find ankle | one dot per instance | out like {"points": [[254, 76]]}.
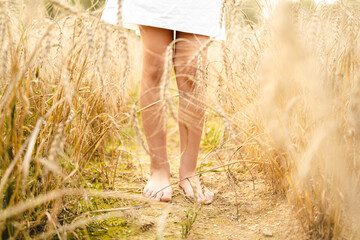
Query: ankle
{"points": [[162, 169], [184, 173]]}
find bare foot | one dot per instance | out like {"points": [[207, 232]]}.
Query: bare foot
{"points": [[158, 186], [193, 183]]}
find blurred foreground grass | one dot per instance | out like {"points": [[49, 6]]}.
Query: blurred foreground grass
{"points": [[283, 94]]}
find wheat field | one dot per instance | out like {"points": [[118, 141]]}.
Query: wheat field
{"points": [[283, 100]]}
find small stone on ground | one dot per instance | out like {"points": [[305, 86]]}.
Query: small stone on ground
{"points": [[267, 233]]}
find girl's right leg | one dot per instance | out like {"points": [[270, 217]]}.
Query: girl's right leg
{"points": [[154, 43]]}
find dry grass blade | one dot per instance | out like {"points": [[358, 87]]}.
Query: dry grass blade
{"points": [[79, 223], [32, 203], [162, 222], [282, 104], [30, 148]]}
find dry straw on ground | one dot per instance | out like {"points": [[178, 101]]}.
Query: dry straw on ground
{"points": [[286, 89]]}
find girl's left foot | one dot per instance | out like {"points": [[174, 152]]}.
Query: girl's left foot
{"points": [[193, 190]]}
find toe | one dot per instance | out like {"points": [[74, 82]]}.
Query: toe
{"points": [[145, 192], [201, 197], [167, 195], [209, 196], [186, 187], [148, 193], [189, 193], [158, 196]]}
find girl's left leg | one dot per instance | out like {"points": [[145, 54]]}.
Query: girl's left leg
{"points": [[191, 111]]}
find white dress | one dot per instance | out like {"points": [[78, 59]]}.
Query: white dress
{"points": [[193, 16]]}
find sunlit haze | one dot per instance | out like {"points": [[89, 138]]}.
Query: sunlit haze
{"points": [[269, 5]]}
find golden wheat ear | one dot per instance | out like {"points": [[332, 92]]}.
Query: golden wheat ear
{"points": [[282, 104]]}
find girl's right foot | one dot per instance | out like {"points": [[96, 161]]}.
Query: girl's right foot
{"points": [[158, 187]]}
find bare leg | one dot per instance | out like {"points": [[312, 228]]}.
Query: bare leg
{"points": [[191, 113], [154, 44]]}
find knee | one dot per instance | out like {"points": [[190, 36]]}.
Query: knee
{"points": [[186, 78], [153, 71], [182, 64], [185, 74]]}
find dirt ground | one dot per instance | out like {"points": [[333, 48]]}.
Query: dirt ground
{"points": [[253, 212], [247, 209]]}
